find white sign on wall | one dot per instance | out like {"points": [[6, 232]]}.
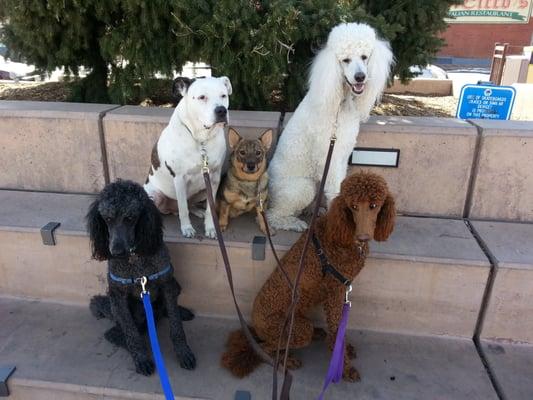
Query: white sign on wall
{"points": [[491, 12]]}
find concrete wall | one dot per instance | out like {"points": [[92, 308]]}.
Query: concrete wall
{"points": [[51, 146], [503, 186], [68, 147], [436, 158], [438, 87]]}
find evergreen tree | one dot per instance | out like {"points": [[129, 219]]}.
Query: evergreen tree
{"points": [[265, 47]]}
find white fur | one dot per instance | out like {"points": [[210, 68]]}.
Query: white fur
{"points": [[179, 147], [298, 162]]}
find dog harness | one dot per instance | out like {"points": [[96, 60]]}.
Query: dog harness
{"points": [[132, 281], [327, 268]]}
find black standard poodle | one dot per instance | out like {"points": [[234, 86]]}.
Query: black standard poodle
{"points": [[126, 229]]}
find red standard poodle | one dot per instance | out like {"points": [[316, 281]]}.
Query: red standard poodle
{"points": [[363, 211]]}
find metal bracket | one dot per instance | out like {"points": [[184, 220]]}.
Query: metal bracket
{"points": [[5, 373], [242, 395], [258, 248], [47, 233]]}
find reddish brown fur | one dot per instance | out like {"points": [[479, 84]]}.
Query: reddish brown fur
{"points": [[337, 231]]}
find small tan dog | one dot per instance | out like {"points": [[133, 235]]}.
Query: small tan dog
{"points": [[246, 183]]}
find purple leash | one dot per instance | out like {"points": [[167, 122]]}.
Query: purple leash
{"points": [[336, 364]]}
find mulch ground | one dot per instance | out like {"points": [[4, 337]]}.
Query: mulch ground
{"points": [[399, 105]]}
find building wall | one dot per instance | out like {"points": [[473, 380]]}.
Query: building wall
{"points": [[477, 40]]}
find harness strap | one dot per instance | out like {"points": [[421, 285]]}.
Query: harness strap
{"points": [[131, 281], [326, 266]]}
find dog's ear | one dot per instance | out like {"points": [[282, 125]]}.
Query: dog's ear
{"points": [[98, 233], [326, 79], [227, 83], [233, 138], [266, 138], [180, 86], [149, 230], [340, 227], [380, 63], [386, 219]]}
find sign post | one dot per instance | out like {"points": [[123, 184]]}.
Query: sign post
{"points": [[486, 102]]}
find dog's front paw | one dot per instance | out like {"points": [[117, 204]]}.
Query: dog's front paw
{"points": [[350, 351], [293, 363], [298, 225], [210, 232], [188, 231], [186, 358], [350, 374], [185, 314], [144, 366]]}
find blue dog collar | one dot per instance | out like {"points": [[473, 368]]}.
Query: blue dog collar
{"points": [[131, 281]]}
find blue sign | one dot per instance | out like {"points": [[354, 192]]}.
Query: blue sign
{"points": [[486, 102]]}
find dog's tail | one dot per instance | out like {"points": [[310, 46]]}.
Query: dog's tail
{"points": [[240, 358], [100, 307]]}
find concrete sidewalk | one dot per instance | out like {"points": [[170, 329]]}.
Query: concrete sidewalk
{"points": [[60, 353]]}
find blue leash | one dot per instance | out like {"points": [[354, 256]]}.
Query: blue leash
{"points": [[156, 351]]}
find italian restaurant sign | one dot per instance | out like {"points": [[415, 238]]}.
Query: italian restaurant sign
{"points": [[491, 12]]}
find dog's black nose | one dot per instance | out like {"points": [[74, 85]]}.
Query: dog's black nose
{"points": [[360, 77], [118, 251], [221, 112], [250, 167]]}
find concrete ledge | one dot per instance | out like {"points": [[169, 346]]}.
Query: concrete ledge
{"points": [[436, 158], [51, 146], [512, 365], [51, 109], [405, 286], [509, 314], [504, 183], [420, 86], [54, 338], [131, 132]]}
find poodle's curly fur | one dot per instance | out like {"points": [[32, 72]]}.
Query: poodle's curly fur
{"points": [[364, 210], [126, 229], [334, 102]]}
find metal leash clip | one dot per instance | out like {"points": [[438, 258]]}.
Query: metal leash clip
{"points": [[143, 281], [205, 161], [261, 203], [346, 294]]}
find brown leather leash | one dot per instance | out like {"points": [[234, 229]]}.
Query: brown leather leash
{"points": [[285, 389], [289, 320], [246, 330]]}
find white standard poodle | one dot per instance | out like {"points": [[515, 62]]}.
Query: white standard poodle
{"points": [[347, 78]]}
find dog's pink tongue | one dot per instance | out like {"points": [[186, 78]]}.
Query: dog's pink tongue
{"points": [[359, 86]]}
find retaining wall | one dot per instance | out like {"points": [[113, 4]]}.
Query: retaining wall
{"points": [[447, 167]]}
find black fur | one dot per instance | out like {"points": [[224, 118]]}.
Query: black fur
{"points": [[125, 222], [180, 86]]}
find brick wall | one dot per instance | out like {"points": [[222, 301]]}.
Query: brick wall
{"points": [[477, 40]]}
